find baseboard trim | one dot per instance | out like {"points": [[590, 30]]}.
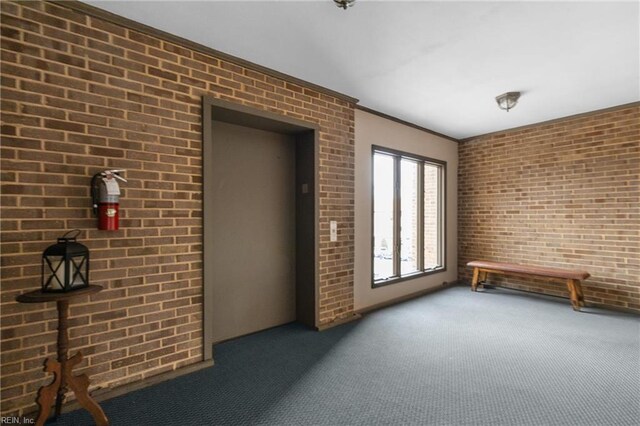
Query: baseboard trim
{"points": [[404, 298], [612, 308], [100, 395], [353, 317], [357, 314]]}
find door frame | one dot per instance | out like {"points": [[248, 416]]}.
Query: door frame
{"points": [[220, 110]]}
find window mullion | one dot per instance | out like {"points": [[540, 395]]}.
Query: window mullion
{"points": [[441, 218], [420, 221], [396, 216]]}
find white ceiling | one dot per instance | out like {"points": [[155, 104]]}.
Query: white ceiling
{"points": [[438, 64]]}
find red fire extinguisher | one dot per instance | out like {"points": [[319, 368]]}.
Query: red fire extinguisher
{"points": [[105, 193]]}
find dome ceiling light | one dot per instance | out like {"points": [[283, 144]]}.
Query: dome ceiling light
{"points": [[508, 100]]}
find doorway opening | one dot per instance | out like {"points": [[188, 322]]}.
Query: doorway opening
{"points": [[260, 221]]}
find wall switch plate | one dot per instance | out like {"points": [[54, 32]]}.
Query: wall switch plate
{"points": [[305, 188], [333, 231]]}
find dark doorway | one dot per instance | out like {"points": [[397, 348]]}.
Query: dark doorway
{"points": [[260, 221]]}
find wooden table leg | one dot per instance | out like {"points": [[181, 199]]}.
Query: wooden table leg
{"points": [[573, 294], [63, 347], [80, 385], [474, 282], [62, 367], [47, 393]]}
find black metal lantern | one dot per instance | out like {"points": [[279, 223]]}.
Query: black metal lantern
{"points": [[65, 265]]}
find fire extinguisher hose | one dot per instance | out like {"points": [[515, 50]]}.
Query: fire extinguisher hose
{"points": [[95, 191]]}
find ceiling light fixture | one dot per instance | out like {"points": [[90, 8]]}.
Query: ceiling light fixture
{"points": [[344, 3], [508, 100]]}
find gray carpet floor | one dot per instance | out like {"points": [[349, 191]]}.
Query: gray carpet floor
{"points": [[498, 357]]}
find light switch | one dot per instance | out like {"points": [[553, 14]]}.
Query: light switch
{"points": [[305, 188], [333, 231]]}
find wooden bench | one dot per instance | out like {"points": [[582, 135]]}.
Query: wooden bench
{"points": [[482, 269]]}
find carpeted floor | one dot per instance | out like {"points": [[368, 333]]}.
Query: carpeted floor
{"points": [[454, 357]]}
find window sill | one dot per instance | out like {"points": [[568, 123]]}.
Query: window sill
{"points": [[394, 280]]}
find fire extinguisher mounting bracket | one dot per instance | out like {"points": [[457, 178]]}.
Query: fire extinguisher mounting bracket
{"points": [[108, 174]]}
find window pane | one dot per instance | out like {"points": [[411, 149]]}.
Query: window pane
{"points": [[432, 257], [384, 243], [408, 216]]}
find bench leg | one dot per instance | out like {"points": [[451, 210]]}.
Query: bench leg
{"points": [[483, 278], [573, 294], [474, 281], [578, 286]]}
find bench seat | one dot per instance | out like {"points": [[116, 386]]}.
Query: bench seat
{"points": [[481, 269]]}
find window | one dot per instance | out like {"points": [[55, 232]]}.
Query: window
{"points": [[408, 216]]}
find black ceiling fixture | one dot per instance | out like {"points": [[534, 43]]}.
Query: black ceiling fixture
{"points": [[344, 4]]}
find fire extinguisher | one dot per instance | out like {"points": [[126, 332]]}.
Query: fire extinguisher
{"points": [[105, 194]]}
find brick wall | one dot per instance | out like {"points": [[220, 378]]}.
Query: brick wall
{"points": [[561, 194], [80, 95]]}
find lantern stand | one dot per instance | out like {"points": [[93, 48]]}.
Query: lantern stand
{"points": [[63, 366], [65, 276]]}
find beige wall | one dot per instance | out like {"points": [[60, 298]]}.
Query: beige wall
{"points": [[371, 130]]}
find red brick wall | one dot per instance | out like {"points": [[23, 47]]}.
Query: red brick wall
{"points": [[561, 194], [80, 95]]}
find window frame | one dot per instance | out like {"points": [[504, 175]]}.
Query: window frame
{"points": [[442, 218]]}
